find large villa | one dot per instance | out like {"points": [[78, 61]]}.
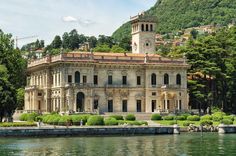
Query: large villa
{"points": [[140, 81]]}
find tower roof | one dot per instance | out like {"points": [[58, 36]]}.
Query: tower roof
{"points": [[143, 18]]}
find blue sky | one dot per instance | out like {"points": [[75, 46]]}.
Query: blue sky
{"points": [[47, 18]]}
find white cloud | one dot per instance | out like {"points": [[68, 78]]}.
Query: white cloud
{"points": [[69, 19]]}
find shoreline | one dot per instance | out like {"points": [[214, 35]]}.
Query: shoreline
{"points": [[87, 131]]}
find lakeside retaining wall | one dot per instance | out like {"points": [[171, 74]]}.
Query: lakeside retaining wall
{"points": [[227, 129], [86, 131]]}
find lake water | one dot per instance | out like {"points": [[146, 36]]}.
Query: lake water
{"points": [[164, 145]]}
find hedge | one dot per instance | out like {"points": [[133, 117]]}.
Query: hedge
{"points": [[110, 122], [117, 117], [218, 116], [187, 123], [168, 117], [229, 117], [193, 118], [76, 119], [156, 117], [18, 124], [206, 117], [95, 120], [28, 117], [180, 117], [206, 122], [226, 122], [130, 117], [139, 123]]}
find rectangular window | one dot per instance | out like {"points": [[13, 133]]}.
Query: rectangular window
{"points": [[95, 79], [138, 80], [124, 105], [139, 105], [69, 78], [95, 104], [124, 80], [84, 79], [110, 105], [154, 93], [110, 80]]}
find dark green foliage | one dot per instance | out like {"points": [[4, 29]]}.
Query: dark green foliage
{"points": [[226, 122], [173, 15], [117, 117], [130, 117], [95, 120], [185, 115], [193, 118], [206, 122], [170, 117], [110, 122], [180, 117], [206, 117], [156, 117]]}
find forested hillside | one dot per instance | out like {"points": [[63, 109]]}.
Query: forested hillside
{"points": [[180, 14]]}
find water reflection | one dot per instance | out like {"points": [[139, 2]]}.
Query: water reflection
{"points": [[164, 145]]}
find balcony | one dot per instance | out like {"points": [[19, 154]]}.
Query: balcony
{"points": [[79, 85], [117, 86], [33, 87], [170, 86]]}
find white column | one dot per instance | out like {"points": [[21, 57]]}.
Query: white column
{"points": [[54, 79], [165, 100]]}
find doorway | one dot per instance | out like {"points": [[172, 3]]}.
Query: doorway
{"points": [[80, 102]]}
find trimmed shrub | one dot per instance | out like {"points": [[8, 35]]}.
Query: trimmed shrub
{"points": [[193, 118], [229, 117], [206, 117], [180, 117], [29, 117], [156, 117], [226, 122], [130, 117], [110, 122], [24, 117], [117, 117], [186, 123], [168, 117], [218, 116], [185, 115], [65, 120], [77, 118], [206, 122], [95, 120]]}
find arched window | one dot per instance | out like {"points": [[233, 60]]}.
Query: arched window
{"points": [[142, 27], [153, 79], [147, 27], [151, 27], [166, 79], [77, 77], [178, 79]]}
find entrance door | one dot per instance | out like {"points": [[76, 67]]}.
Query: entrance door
{"points": [[80, 102], [154, 103]]}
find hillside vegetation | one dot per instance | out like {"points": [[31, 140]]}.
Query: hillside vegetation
{"points": [[175, 15]]}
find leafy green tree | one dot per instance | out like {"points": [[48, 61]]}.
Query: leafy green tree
{"points": [[117, 49], [56, 43], [20, 98], [7, 95], [102, 48]]}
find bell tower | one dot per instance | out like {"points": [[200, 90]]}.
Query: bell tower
{"points": [[143, 34]]}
